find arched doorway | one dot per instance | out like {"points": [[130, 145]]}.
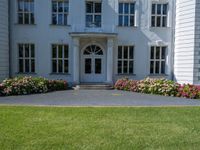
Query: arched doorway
{"points": [[93, 64]]}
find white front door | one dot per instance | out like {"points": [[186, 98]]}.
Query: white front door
{"points": [[93, 64]]}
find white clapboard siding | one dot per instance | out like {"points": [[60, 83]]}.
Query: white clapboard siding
{"points": [[4, 44], [184, 41]]}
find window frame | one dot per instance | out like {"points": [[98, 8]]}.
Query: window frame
{"points": [[128, 59], [123, 14], [57, 59], [160, 59], [57, 13], [93, 14], [23, 12], [156, 15], [24, 58]]}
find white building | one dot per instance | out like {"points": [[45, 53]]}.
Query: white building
{"points": [[90, 41]]}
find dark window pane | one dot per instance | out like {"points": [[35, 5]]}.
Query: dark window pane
{"points": [[132, 7], [60, 6], [158, 21], [21, 50], [97, 7], [126, 20], [153, 11], [163, 67], [125, 67], [26, 18], [157, 52], [119, 67], [120, 8], [126, 8], [27, 50], [88, 66], [20, 18], [157, 67], [60, 51], [97, 20], [65, 19], [20, 5], [153, 21], [131, 52], [66, 55], [89, 7], [32, 51], [152, 52], [60, 66], [66, 66], [98, 66], [32, 66], [89, 20], [21, 65], [26, 6], [163, 52], [54, 6], [152, 67], [27, 64], [60, 19], [164, 21], [131, 67], [54, 66], [132, 21], [165, 9], [66, 7], [54, 19], [54, 51], [159, 9], [120, 20], [125, 52], [32, 6], [120, 52], [32, 18]]}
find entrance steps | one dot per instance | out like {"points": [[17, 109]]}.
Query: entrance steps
{"points": [[93, 86]]}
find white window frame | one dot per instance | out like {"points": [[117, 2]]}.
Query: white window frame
{"points": [[23, 12], [60, 13], [160, 60], [129, 14], [24, 58], [122, 59], [93, 14], [156, 15], [63, 59]]}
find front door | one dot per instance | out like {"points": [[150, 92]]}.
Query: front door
{"points": [[93, 64]]}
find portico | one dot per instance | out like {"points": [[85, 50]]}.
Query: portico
{"points": [[93, 57]]}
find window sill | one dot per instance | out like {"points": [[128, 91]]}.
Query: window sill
{"points": [[158, 75], [59, 25], [25, 24], [127, 26], [21, 73], [60, 74], [126, 74], [160, 27]]}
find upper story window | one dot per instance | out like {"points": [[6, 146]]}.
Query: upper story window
{"points": [[93, 14], [26, 12], [26, 58], [60, 11], [126, 14], [158, 59], [159, 15], [125, 59]]}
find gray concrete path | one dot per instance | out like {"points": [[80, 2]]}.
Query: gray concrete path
{"points": [[97, 98]]}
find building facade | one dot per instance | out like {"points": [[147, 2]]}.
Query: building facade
{"points": [[99, 41]]}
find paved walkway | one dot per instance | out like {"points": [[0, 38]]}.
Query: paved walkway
{"points": [[97, 98]]}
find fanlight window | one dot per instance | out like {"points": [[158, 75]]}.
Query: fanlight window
{"points": [[93, 49]]}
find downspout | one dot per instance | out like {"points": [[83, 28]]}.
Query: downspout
{"points": [[9, 37]]}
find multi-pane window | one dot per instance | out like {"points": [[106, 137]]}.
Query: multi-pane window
{"points": [[157, 60], [159, 15], [126, 14], [125, 59], [60, 59], [60, 11], [26, 12], [26, 55], [93, 14]]}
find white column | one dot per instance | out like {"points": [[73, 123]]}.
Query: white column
{"points": [[76, 58], [110, 46]]}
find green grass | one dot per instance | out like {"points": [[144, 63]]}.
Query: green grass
{"points": [[53, 128]]}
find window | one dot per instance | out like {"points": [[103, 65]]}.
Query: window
{"points": [[26, 58], [157, 60], [126, 14], [125, 60], [26, 12], [93, 14], [159, 15], [60, 10], [60, 59]]}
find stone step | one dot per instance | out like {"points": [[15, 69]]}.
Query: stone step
{"points": [[93, 87]]}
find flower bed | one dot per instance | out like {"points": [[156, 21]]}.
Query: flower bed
{"points": [[159, 87], [30, 85]]}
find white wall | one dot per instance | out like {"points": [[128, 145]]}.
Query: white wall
{"points": [[4, 45], [42, 34]]}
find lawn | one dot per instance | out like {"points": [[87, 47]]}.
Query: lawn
{"points": [[57, 128]]}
